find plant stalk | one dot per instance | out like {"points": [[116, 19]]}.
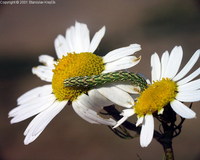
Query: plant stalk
{"points": [[169, 153]]}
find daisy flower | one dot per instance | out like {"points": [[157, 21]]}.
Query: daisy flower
{"points": [[75, 58], [168, 86]]}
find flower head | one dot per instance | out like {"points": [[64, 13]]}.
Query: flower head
{"points": [[75, 58], [168, 86]]}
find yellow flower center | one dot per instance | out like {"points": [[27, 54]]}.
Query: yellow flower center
{"points": [[155, 97], [73, 65]]}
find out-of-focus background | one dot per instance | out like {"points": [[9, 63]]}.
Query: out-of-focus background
{"points": [[27, 31]]}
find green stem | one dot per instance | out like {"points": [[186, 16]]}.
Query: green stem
{"points": [[97, 80], [169, 154]]}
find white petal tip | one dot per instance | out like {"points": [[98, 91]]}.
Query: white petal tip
{"points": [[147, 131], [103, 28], [182, 110], [120, 122], [117, 125], [144, 145], [139, 121], [191, 116], [12, 121], [137, 47], [26, 143]]}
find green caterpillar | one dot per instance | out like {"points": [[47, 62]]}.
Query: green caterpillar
{"points": [[98, 80]]}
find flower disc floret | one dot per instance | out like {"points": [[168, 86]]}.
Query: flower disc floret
{"points": [[155, 97], [73, 65]]}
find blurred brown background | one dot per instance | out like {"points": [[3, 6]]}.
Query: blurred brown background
{"points": [[27, 31]]}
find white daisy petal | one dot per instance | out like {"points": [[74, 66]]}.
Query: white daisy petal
{"points": [[117, 96], [97, 39], [98, 99], [164, 62], [78, 38], [49, 114], [188, 66], [139, 121], [47, 60], [123, 63], [30, 105], [128, 112], [129, 88], [156, 67], [39, 116], [69, 39], [90, 115], [122, 120], [43, 72], [173, 66], [147, 131], [121, 52], [81, 39], [82, 112], [17, 110], [188, 96], [32, 110], [29, 139], [39, 123], [29, 95], [34, 93], [92, 104], [61, 47], [191, 86], [125, 113], [84, 100], [182, 110], [189, 78]]}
